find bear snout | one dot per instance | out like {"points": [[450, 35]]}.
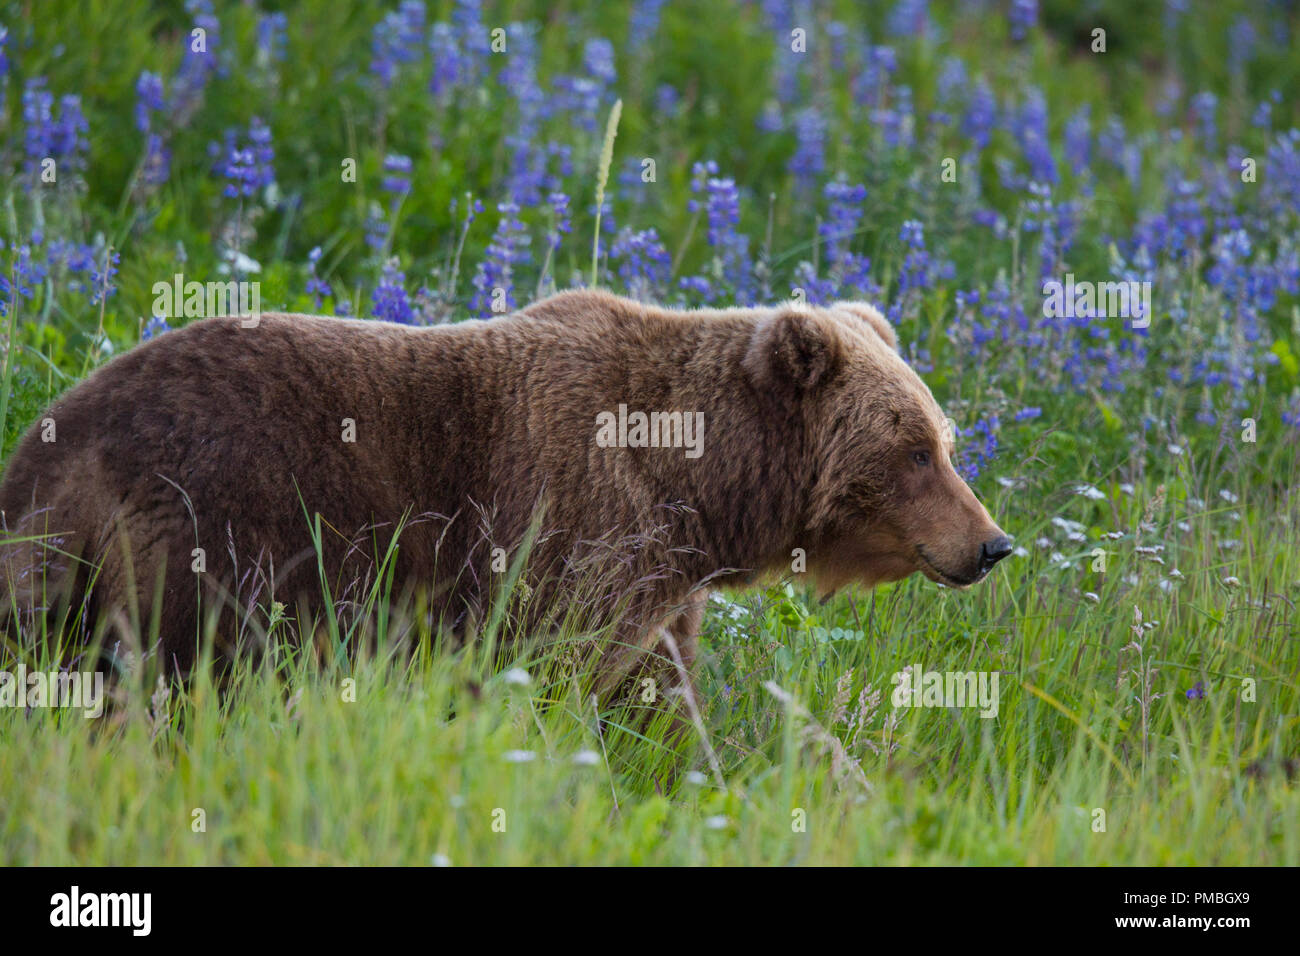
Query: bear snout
{"points": [[965, 568], [993, 551]]}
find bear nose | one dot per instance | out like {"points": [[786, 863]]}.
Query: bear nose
{"points": [[991, 552]]}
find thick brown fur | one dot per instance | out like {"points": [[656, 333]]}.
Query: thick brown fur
{"points": [[228, 438]]}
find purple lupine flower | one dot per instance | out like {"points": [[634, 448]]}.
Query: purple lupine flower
{"points": [[847, 273], [1241, 43], [507, 250], [719, 199], [467, 18], [776, 13], [1290, 415], [60, 137], [259, 138], [245, 167], [391, 301], [1280, 192], [1114, 146], [723, 214], [809, 159], [376, 227], [585, 96], [101, 278], [964, 324], [1229, 273], [844, 214], [384, 49], [411, 29], [909, 18], [518, 74], [896, 121], [785, 80], [518, 77], [397, 39], [598, 59], [1171, 95], [1262, 118], [667, 101], [981, 114], [197, 65], [701, 174], [149, 99], [1204, 107], [838, 32], [237, 168], [607, 222], [770, 119], [643, 22], [1185, 224], [643, 262], [951, 87], [1205, 415], [317, 287], [1002, 307], [460, 49], [869, 85], [1196, 691], [579, 96], [1055, 222], [472, 208], [629, 178], [19, 280], [816, 290], [1078, 139], [450, 64], [397, 175], [559, 203], [272, 35], [556, 166], [68, 137], [77, 260], [918, 270], [972, 457], [1030, 129], [701, 286], [156, 326], [38, 122], [1022, 16]]}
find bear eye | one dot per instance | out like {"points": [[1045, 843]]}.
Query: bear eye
{"points": [[922, 458]]}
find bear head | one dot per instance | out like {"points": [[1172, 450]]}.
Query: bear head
{"points": [[882, 498]]}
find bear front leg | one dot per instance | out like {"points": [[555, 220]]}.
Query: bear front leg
{"points": [[666, 675]]}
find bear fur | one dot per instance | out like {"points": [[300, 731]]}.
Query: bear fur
{"points": [[818, 440]]}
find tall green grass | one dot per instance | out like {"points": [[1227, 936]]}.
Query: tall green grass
{"points": [[1097, 754]]}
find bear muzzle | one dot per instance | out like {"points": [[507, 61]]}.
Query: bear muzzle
{"points": [[993, 551], [990, 553]]}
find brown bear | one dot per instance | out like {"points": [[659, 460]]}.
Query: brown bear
{"points": [[639, 456]]}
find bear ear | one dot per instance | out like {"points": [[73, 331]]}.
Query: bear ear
{"points": [[793, 349], [871, 315]]}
